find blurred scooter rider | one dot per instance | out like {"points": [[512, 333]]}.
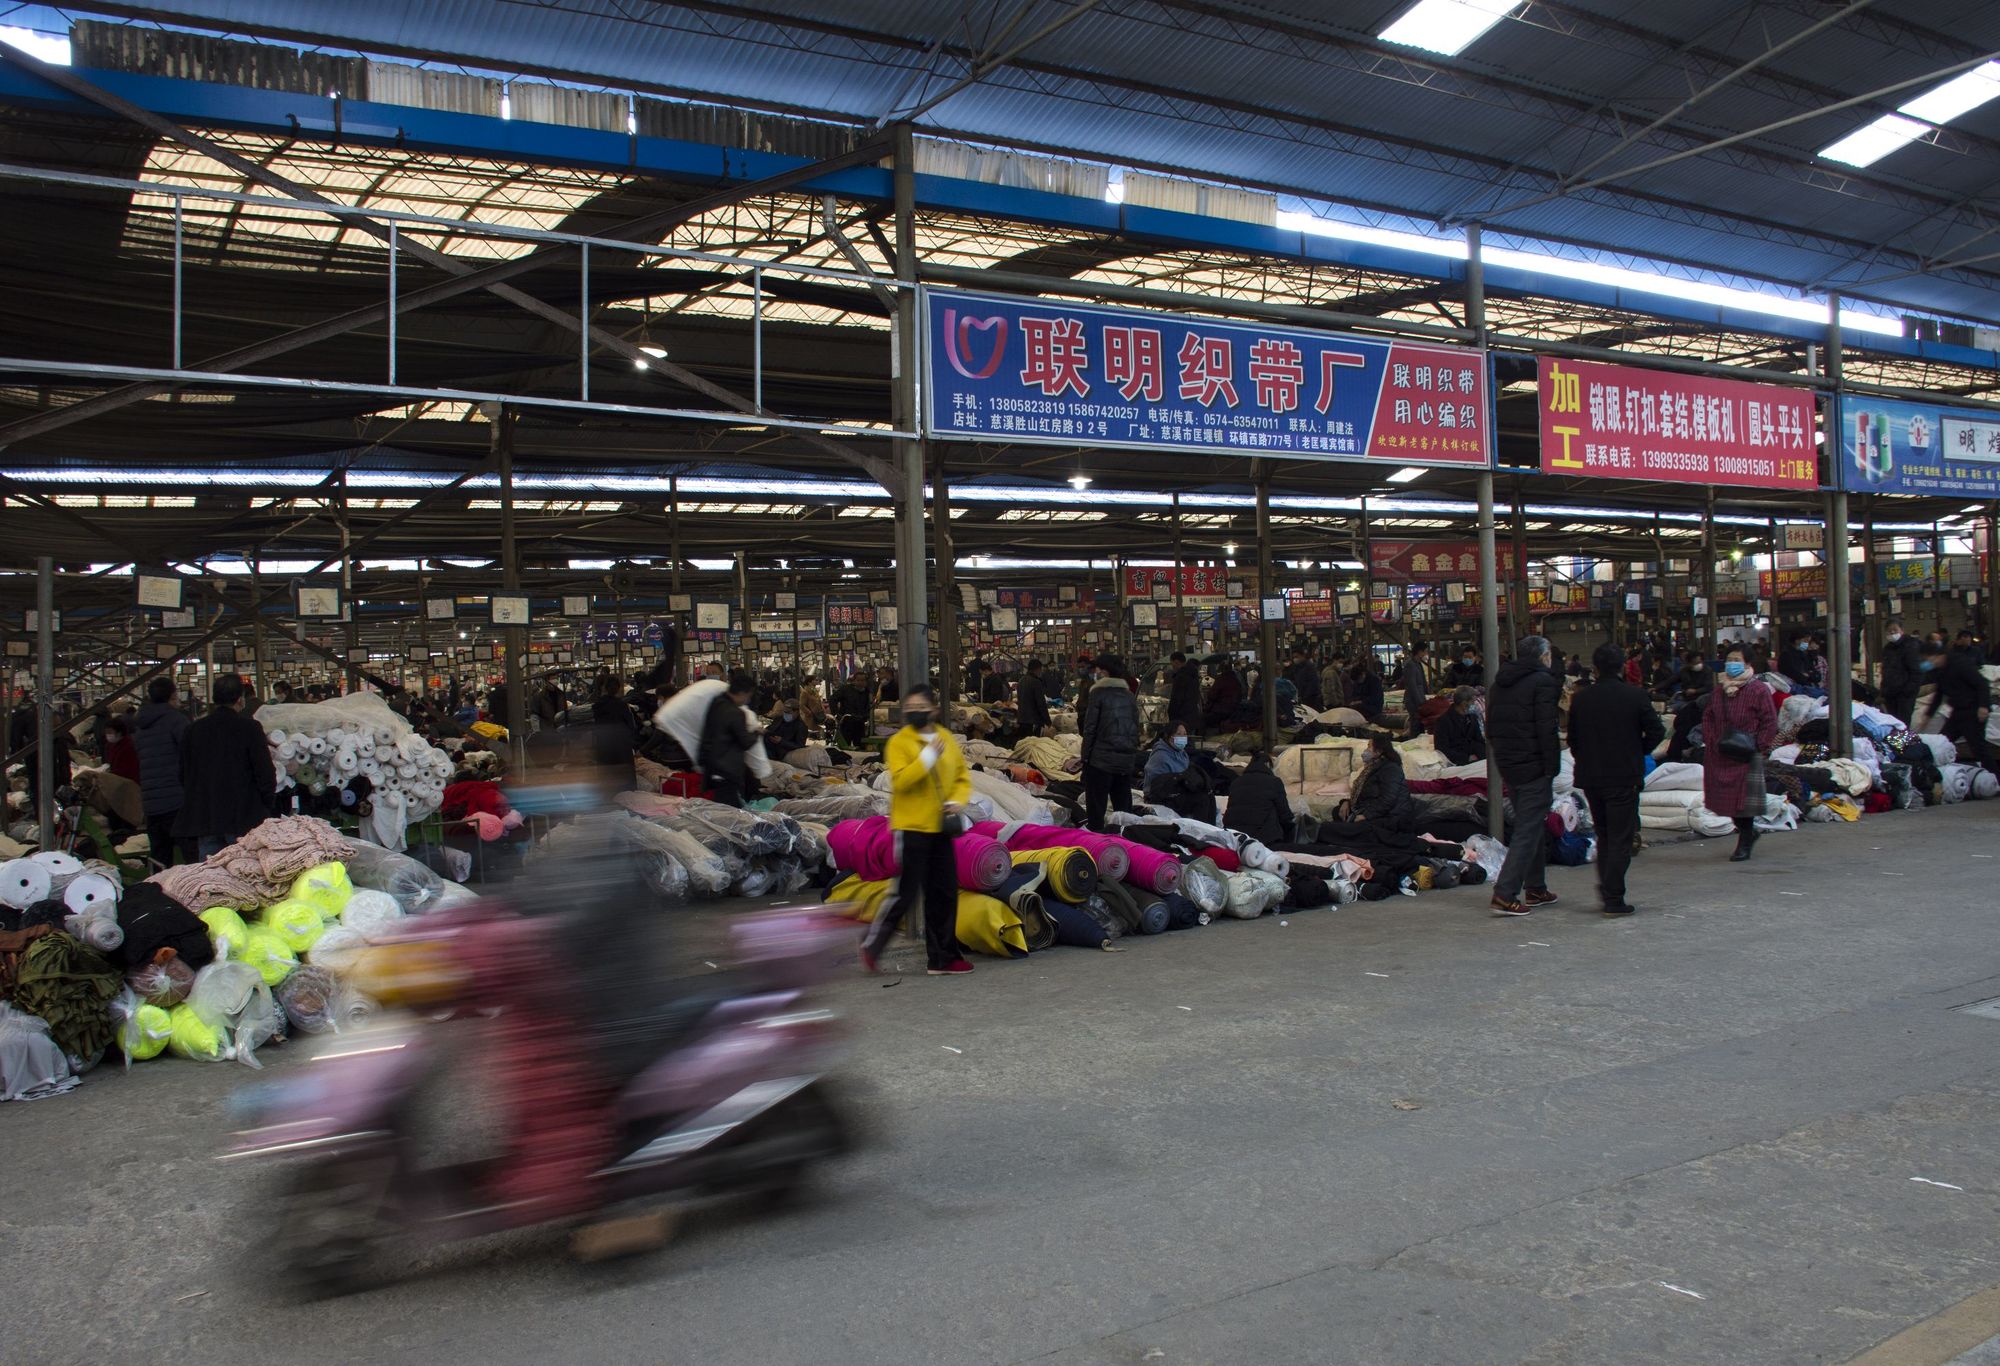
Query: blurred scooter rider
{"points": [[929, 787]]}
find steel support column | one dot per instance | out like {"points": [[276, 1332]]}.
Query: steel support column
{"points": [[1267, 632], [1840, 633], [947, 610], [1874, 618], [1489, 564], [912, 646], [1705, 629], [45, 700], [514, 638]]}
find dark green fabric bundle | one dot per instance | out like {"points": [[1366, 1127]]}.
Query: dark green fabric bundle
{"points": [[70, 987]]}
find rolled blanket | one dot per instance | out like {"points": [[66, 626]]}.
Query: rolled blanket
{"points": [[1072, 873], [310, 999], [1958, 780], [1985, 784]]}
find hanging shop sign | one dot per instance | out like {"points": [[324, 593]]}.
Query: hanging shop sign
{"points": [[1037, 370], [848, 613], [1622, 422], [1890, 446], [1202, 584], [1404, 560], [1809, 581], [1050, 599], [807, 627], [632, 632]]}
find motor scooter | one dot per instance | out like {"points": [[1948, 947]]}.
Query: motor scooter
{"points": [[731, 1095]]}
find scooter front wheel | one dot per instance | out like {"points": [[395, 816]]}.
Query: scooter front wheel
{"points": [[333, 1224]]}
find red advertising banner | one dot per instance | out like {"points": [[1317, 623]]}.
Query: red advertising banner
{"points": [[1622, 422], [1458, 560], [1199, 583], [1807, 581]]}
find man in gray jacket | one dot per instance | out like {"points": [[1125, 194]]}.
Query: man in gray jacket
{"points": [[160, 737], [1110, 729]]}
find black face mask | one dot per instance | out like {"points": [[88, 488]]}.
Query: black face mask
{"points": [[919, 719]]}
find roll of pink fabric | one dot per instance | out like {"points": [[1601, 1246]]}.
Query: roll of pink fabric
{"points": [[867, 848], [1112, 856]]}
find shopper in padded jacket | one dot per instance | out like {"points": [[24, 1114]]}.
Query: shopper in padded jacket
{"points": [[1110, 730], [161, 738], [1259, 805], [1901, 676], [1382, 790], [1521, 709]]}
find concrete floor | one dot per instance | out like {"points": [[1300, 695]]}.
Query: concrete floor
{"points": [[1395, 1133]]}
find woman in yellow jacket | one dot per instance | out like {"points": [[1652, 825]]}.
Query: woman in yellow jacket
{"points": [[928, 789]]}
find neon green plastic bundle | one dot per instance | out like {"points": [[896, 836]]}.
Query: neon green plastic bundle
{"points": [[325, 887], [144, 1033], [296, 922], [227, 929], [265, 951], [189, 1036]]}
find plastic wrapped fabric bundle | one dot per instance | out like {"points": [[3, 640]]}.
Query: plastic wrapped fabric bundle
{"points": [[842, 804], [1252, 892], [1202, 883], [143, 1029], [324, 887], [310, 999], [267, 953], [1958, 780], [32, 1065], [1117, 898], [1985, 785], [663, 870], [750, 833], [162, 984], [373, 915], [812, 850], [326, 744], [100, 932], [709, 874], [759, 879], [234, 1002], [299, 924], [1072, 873], [374, 868], [337, 950], [353, 1009]]}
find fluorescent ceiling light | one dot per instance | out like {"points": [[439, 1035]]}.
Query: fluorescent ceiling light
{"points": [[1409, 474], [1447, 26], [1079, 482], [1871, 142], [1958, 96], [657, 352]]}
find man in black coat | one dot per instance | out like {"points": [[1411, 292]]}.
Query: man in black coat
{"points": [[1031, 700], [162, 741], [1964, 688], [726, 741], [227, 778], [1457, 734], [1110, 730], [1184, 692], [1612, 728], [1521, 711], [1900, 674]]}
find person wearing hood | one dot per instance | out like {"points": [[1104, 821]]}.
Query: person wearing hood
{"points": [[1174, 781], [1259, 806], [1521, 711], [1110, 731], [161, 738]]}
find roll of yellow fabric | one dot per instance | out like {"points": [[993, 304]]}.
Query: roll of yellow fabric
{"points": [[985, 925]]}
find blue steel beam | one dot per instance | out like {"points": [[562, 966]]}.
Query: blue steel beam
{"points": [[474, 135]]}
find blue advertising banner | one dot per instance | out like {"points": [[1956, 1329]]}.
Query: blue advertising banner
{"points": [[1032, 370], [1894, 446]]}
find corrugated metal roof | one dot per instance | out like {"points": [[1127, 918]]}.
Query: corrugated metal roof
{"points": [[1299, 96]]}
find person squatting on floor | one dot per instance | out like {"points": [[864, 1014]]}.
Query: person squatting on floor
{"points": [[928, 789], [1521, 710], [1612, 728], [1738, 725]]}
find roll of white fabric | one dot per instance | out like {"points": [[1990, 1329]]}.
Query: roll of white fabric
{"points": [[1958, 780], [1985, 785], [23, 882], [92, 892], [1675, 778]]}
